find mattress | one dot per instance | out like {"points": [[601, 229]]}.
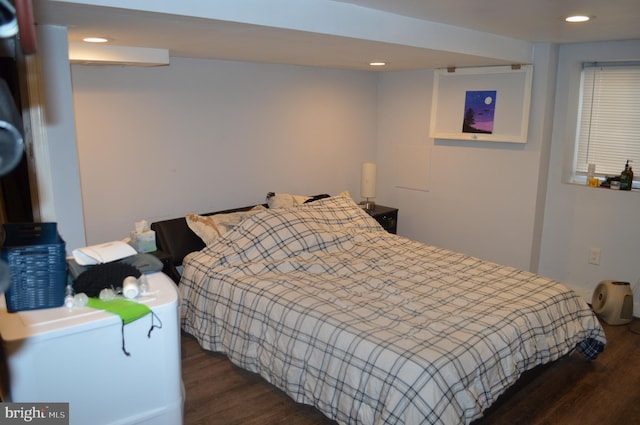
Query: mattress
{"points": [[371, 327]]}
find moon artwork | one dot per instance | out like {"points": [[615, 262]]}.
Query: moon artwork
{"points": [[479, 109]]}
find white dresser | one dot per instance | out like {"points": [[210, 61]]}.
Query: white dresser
{"points": [[76, 356]]}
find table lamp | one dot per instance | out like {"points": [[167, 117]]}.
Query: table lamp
{"points": [[368, 185]]}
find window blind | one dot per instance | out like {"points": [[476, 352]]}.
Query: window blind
{"points": [[609, 119]]}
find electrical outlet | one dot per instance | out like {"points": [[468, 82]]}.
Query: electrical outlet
{"points": [[594, 256]]}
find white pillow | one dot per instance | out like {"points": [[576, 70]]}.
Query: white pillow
{"points": [[285, 200], [344, 193], [211, 227]]}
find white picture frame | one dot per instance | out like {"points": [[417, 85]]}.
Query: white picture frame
{"points": [[512, 87]]}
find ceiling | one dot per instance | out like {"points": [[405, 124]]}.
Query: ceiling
{"points": [[538, 21], [210, 37]]}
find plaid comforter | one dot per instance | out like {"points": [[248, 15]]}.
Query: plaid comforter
{"points": [[373, 328]]}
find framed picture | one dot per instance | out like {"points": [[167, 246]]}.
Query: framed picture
{"points": [[484, 104]]}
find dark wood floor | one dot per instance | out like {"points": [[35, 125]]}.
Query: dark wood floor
{"points": [[572, 391]]}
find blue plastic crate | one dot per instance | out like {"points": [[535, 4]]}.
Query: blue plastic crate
{"points": [[35, 253]]}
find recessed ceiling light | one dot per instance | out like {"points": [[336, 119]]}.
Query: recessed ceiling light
{"points": [[377, 63], [95, 39], [577, 18]]}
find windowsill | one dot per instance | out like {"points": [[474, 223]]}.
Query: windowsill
{"points": [[582, 181]]}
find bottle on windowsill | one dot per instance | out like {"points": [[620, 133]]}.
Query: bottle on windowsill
{"points": [[592, 180], [625, 183]]}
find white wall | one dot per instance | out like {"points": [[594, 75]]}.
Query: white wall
{"points": [[54, 143], [204, 135], [482, 197], [577, 217]]}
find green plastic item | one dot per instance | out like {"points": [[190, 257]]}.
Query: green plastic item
{"points": [[128, 311]]}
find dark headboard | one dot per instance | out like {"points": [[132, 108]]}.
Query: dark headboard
{"points": [[174, 238]]}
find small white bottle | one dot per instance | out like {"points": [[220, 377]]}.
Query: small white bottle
{"points": [[591, 176], [68, 297], [130, 288]]}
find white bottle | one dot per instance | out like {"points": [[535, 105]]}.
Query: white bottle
{"points": [[130, 288]]}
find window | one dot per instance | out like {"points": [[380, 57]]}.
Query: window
{"points": [[608, 132]]}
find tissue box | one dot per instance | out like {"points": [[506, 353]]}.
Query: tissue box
{"points": [[144, 241]]}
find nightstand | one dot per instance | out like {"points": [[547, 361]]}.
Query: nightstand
{"points": [[386, 216]]}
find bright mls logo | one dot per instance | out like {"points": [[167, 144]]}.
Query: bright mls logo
{"points": [[34, 413]]}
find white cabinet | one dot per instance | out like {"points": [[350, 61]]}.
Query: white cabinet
{"points": [[76, 356]]}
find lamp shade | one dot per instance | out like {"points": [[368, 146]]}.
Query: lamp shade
{"points": [[368, 180]]}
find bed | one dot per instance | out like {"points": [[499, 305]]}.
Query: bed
{"points": [[370, 327]]}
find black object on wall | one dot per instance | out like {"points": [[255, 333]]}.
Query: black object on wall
{"points": [[14, 177], [11, 140]]}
